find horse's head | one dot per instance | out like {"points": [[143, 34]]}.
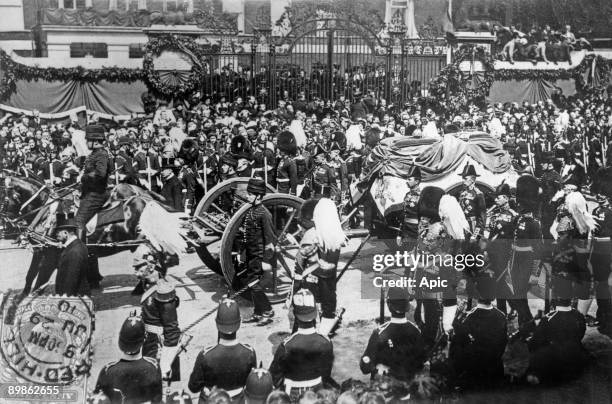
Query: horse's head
{"points": [[132, 209]]}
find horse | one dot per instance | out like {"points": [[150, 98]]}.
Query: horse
{"points": [[129, 217]]}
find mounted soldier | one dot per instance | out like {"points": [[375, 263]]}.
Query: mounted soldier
{"points": [[148, 163]]}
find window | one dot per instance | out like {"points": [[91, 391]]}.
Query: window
{"points": [[81, 3], [136, 50], [69, 3], [81, 50]]}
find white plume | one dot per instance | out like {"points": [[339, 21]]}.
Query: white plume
{"points": [[453, 217], [577, 207], [298, 131], [162, 228]]}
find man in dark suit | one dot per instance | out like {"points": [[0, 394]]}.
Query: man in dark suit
{"points": [[172, 190], [72, 268]]}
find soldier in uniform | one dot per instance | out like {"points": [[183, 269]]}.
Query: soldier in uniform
{"points": [[472, 202], [286, 173], [601, 253], [498, 235], [188, 180], [263, 159], [479, 341], [572, 211], [124, 167], [172, 190], [227, 167], [556, 351], [323, 175], [303, 361], [117, 380], [228, 364], [319, 254], [147, 163], [527, 246], [550, 182], [259, 238], [410, 223], [94, 178], [11, 160], [158, 304], [340, 171], [396, 348]]}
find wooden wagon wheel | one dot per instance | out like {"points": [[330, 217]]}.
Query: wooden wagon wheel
{"points": [[285, 211], [214, 212]]}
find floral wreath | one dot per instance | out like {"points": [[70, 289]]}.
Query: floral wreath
{"points": [[187, 45]]}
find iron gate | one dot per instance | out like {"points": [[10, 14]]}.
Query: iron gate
{"points": [[327, 59]]}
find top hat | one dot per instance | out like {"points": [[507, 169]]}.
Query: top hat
{"points": [[65, 221], [168, 162]]}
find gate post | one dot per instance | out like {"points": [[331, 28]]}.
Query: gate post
{"points": [[253, 54], [330, 60], [272, 74], [389, 73]]}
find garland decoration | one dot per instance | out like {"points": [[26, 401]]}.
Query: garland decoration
{"points": [[454, 85], [176, 84], [14, 71]]}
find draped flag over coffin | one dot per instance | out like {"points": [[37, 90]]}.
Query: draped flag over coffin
{"points": [[441, 163]]}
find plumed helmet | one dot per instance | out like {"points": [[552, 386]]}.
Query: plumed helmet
{"points": [[228, 316], [256, 186], [144, 255], [258, 386], [132, 335], [527, 192], [238, 144], [503, 189], [429, 203], [94, 132], [286, 143]]}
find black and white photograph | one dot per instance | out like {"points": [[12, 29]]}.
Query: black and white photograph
{"points": [[306, 201]]}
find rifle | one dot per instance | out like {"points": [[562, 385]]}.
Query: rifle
{"points": [[186, 338], [149, 172]]}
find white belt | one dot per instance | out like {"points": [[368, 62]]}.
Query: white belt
{"points": [[283, 180], [255, 170], [326, 265], [235, 392], [154, 329], [519, 248], [290, 384], [412, 221], [601, 238], [581, 250]]}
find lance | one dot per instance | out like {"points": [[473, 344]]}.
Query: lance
{"points": [[116, 174], [51, 176], [149, 172], [205, 173], [265, 168]]}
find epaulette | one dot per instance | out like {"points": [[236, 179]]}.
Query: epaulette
{"points": [[478, 191], [152, 361], [286, 340], [470, 312], [208, 349], [110, 365], [247, 346], [383, 326]]}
